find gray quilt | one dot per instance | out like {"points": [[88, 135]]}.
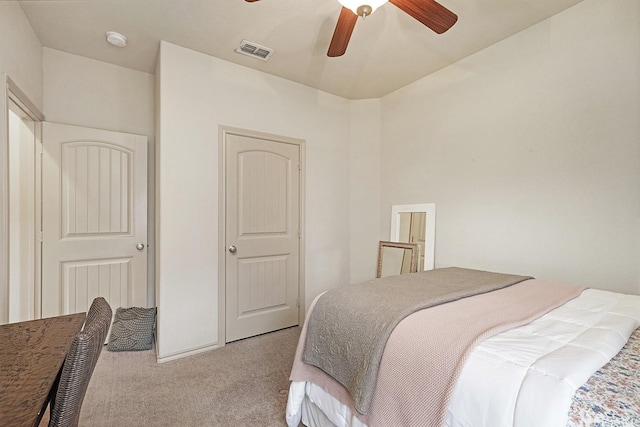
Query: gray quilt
{"points": [[349, 326]]}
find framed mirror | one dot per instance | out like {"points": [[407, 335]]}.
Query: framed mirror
{"points": [[396, 258], [416, 224]]}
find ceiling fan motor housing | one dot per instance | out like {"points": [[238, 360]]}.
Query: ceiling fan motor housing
{"points": [[364, 10]]}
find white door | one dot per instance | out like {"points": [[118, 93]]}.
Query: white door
{"points": [[262, 235], [94, 221]]}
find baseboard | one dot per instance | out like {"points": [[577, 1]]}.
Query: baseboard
{"points": [[187, 353]]}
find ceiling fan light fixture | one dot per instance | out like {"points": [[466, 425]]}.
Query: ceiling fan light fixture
{"points": [[362, 7]]}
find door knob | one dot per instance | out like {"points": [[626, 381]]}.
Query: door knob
{"points": [[140, 246], [232, 249]]}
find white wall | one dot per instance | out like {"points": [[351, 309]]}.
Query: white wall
{"points": [[530, 150], [197, 93], [20, 51], [364, 181], [85, 92], [21, 60]]}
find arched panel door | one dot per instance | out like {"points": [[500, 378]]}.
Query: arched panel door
{"points": [[262, 235], [94, 218]]}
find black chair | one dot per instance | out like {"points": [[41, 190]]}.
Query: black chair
{"points": [[79, 364]]}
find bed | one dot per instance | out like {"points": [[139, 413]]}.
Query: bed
{"points": [[528, 353]]}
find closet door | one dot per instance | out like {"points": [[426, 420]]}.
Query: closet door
{"points": [[262, 235]]}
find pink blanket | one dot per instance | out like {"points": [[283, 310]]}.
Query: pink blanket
{"points": [[426, 351], [349, 326]]}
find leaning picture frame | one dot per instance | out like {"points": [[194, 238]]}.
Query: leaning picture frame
{"points": [[403, 256]]}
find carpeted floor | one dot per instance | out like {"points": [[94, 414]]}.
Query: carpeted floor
{"points": [[244, 383]]}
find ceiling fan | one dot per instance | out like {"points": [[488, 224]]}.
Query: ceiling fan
{"points": [[428, 12]]}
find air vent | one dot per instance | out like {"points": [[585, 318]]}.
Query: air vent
{"points": [[255, 50]]}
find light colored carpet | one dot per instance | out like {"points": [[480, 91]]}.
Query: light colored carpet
{"points": [[244, 383]]}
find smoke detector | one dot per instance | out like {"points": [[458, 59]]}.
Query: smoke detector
{"points": [[116, 39], [255, 50]]}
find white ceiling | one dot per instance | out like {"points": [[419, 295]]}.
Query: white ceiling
{"points": [[388, 49]]}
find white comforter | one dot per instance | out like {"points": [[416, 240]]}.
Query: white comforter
{"points": [[523, 377], [533, 371]]}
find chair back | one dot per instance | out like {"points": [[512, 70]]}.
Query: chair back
{"points": [[79, 364]]}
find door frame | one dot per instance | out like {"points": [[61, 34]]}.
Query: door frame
{"points": [[223, 131], [10, 91]]}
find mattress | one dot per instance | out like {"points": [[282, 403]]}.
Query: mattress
{"points": [[526, 376]]}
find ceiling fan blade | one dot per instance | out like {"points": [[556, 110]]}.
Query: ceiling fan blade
{"points": [[251, 1], [430, 13], [342, 34]]}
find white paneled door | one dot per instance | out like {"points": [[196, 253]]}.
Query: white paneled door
{"points": [[262, 238], [94, 222]]}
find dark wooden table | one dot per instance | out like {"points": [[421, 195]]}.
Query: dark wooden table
{"points": [[31, 355]]}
